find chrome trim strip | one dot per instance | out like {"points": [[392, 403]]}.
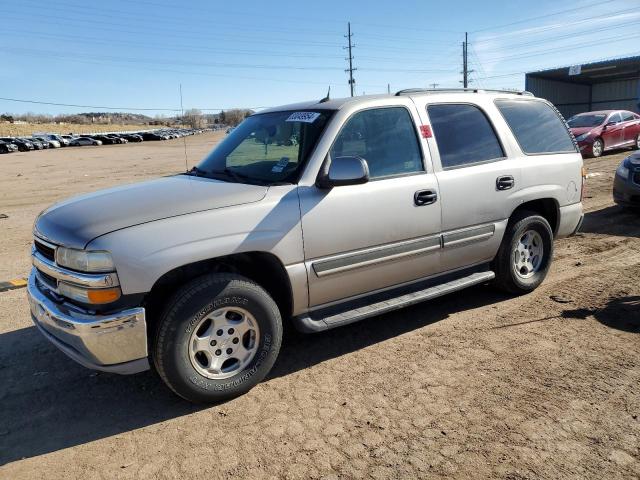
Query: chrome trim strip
{"points": [[46, 244], [375, 255], [88, 280], [470, 235]]}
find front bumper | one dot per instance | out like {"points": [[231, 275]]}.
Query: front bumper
{"points": [[586, 147], [625, 191], [115, 342]]}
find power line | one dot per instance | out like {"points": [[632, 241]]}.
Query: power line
{"points": [[102, 107], [563, 25], [495, 27]]}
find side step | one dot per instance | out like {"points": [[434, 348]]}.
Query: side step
{"points": [[377, 304]]}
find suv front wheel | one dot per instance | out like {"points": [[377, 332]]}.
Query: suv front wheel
{"points": [[218, 337], [525, 254]]}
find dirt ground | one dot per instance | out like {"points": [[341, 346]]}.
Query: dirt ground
{"points": [[472, 385]]}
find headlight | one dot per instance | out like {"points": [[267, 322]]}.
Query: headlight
{"points": [[94, 296], [579, 138], [84, 261], [622, 171]]}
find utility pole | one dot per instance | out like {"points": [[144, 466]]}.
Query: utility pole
{"points": [[389, 88], [433, 85], [465, 61], [350, 58]]}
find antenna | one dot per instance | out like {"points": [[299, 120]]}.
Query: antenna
{"points": [[328, 97], [184, 138]]}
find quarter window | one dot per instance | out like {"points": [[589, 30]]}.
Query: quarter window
{"points": [[385, 138], [463, 134], [536, 126]]}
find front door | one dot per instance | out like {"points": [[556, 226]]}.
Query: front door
{"points": [[362, 238], [613, 134]]}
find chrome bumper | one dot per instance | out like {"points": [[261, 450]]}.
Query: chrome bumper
{"points": [[114, 343]]}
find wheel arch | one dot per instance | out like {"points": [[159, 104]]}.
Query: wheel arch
{"points": [[545, 207], [262, 267]]}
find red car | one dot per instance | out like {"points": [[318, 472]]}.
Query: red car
{"points": [[597, 132]]}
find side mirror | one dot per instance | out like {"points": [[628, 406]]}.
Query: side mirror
{"points": [[344, 171]]}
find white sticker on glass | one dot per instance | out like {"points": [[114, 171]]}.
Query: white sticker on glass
{"points": [[304, 117]]}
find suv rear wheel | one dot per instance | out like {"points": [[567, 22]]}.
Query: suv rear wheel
{"points": [[218, 337], [525, 254]]}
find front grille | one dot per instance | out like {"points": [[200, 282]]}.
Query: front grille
{"points": [[45, 250], [636, 177], [48, 280]]}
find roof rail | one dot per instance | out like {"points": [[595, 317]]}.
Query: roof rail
{"points": [[409, 91]]}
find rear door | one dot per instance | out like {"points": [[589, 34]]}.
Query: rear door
{"points": [[631, 128], [476, 179]]}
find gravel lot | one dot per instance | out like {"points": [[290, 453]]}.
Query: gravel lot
{"points": [[473, 385]]}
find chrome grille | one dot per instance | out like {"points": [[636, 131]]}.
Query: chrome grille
{"points": [[47, 251], [636, 177]]}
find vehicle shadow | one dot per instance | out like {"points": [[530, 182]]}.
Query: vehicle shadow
{"points": [[613, 220], [50, 403], [621, 313]]}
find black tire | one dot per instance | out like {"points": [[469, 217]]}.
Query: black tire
{"points": [[507, 278], [183, 314], [595, 153]]}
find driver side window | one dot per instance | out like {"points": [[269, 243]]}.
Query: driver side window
{"points": [[385, 138]]}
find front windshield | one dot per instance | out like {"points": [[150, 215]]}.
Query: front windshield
{"points": [[591, 120], [266, 148]]}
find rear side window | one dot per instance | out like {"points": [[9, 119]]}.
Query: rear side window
{"points": [[536, 126], [626, 116], [463, 134]]}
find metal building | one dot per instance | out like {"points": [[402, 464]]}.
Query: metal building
{"points": [[606, 85]]}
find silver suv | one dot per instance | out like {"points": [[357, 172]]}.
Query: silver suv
{"points": [[317, 214]]}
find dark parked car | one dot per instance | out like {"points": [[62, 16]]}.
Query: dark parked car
{"points": [[597, 132], [152, 136], [117, 138], [37, 144], [104, 139], [7, 147], [83, 141], [23, 145], [133, 137], [626, 183]]}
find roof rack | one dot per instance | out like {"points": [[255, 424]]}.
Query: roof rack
{"points": [[409, 91]]}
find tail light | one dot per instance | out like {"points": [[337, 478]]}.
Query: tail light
{"points": [[584, 186]]}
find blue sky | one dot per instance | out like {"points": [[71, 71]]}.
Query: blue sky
{"points": [[135, 54]]}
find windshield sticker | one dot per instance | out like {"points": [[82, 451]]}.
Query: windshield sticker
{"points": [[304, 117], [280, 166]]}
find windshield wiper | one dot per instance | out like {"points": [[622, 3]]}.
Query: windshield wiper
{"points": [[195, 171]]}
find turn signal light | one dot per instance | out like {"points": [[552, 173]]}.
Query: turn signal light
{"points": [[103, 295]]}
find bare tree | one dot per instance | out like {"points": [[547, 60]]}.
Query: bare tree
{"points": [[193, 118]]}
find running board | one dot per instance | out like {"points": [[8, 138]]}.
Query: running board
{"points": [[336, 316]]}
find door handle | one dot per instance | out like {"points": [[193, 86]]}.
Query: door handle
{"points": [[505, 182], [424, 197]]}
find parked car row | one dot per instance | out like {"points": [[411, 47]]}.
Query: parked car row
{"points": [[43, 141], [604, 130]]}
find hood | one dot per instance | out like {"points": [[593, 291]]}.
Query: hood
{"points": [[78, 220], [580, 130]]}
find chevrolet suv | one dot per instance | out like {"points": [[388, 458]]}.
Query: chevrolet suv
{"points": [[381, 202]]}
